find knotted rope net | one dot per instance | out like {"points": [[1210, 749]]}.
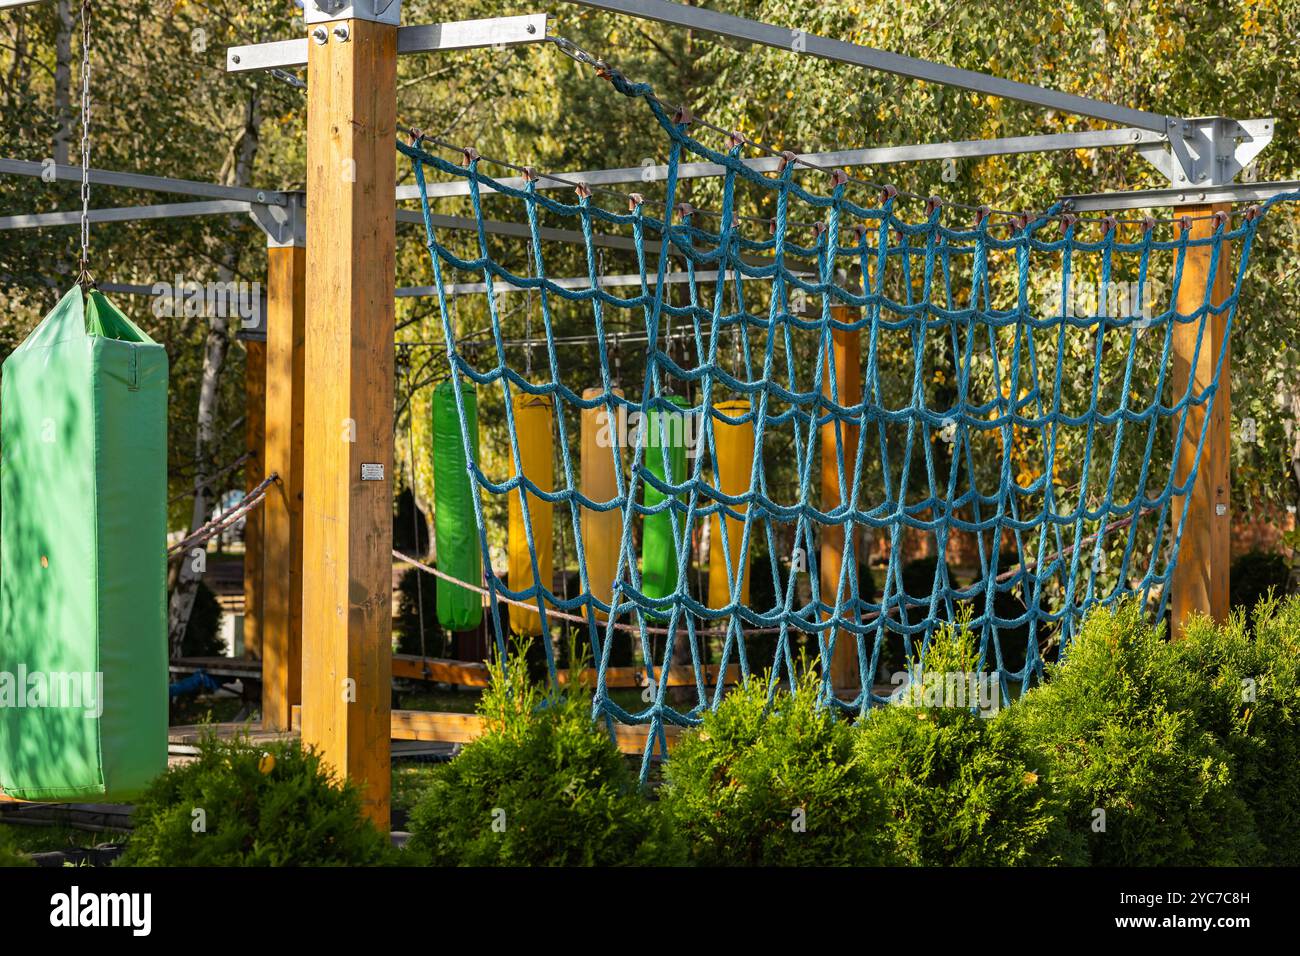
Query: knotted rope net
{"points": [[1015, 402]]}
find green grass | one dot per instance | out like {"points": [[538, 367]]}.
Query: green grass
{"points": [[30, 838], [432, 698], [409, 783], [192, 710]]}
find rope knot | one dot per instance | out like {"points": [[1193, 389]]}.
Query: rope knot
{"points": [[583, 191], [788, 158], [634, 201], [1067, 223], [1148, 224], [683, 116], [1108, 225], [1220, 219], [932, 204], [684, 210], [736, 139], [472, 155], [838, 178], [1251, 214], [1184, 222], [887, 192], [530, 175], [982, 214]]}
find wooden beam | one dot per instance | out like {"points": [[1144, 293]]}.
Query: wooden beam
{"points": [[847, 349], [348, 433], [286, 326], [455, 728], [1200, 580], [442, 670], [254, 472], [477, 674]]}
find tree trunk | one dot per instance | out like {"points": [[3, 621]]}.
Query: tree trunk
{"points": [[237, 171], [63, 82]]}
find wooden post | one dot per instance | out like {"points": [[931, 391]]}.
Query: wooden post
{"points": [[254, 472], [348, 433], [848, 380], [282, 535], [1200, 581]]}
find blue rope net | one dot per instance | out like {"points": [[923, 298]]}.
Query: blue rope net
{"points": [[1000, 406]]}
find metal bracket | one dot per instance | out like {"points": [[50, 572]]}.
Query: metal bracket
{"points": [[284, 225], [422, 38], [377, 11], [1208, 150]]}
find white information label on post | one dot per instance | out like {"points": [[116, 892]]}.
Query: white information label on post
{"points": [[372, 471]]}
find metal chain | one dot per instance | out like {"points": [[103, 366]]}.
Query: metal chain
{"points": [[85, 144]]}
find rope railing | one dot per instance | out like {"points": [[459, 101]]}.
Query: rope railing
{"points": [[219, 523]]}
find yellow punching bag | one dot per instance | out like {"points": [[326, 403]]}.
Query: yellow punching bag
{"points": [[536, 455], [734, 446], [602, 531]]}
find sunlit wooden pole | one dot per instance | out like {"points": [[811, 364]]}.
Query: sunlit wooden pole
{"points": [[348, 430]]}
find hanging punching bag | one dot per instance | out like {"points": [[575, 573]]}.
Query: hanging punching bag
{"points": [[659, 564], [83, 551], [454, 528], [734, 445], [602, 531], [536, 454]]}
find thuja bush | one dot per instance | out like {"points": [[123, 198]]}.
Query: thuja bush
{"points": [[775, 783], [960, 786], [240, 805], [1249, 696], [1145, 781], [544, 786]]}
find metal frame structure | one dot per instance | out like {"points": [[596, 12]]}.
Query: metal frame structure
{"points": [[496, 32]]}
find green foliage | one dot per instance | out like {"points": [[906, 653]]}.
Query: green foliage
{"points": [[261, 806], [1252, 702], [1254, 574], [203, 634], [9, 854], [1115, 732], [775, 784], [961, 788], [544, 786]]}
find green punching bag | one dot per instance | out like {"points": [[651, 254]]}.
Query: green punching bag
{"points": [[83, 557], [455, 531], [658, 549]]}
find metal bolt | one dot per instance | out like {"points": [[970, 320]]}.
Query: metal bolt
{"points": [[234, 58], [261, 197], [341, 31], [531, 28], [1220, 510], [321, 36]]}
